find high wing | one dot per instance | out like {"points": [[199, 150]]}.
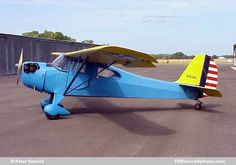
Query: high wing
{"points": [[113, 54]]}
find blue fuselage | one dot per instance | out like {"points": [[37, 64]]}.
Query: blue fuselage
{"points": [[118, 83]]}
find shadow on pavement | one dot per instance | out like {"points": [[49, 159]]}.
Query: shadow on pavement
{"points": [[129, 120]]}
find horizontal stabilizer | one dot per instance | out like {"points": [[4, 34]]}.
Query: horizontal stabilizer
{"points": [[208, 91]]}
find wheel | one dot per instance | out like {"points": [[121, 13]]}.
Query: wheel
{"points": [[44, 103], [51, 117], [198, 106]]}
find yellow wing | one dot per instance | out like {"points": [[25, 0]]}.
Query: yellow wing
{"points": [[108, 54]]}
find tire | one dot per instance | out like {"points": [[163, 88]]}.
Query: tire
{"points": [[51, 117], [197, 106]]}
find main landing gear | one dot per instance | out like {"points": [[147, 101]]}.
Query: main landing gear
{"points": [[52, 107], [198, 105], [51, 117]]}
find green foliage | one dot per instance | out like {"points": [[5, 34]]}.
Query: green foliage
{"points": [[88, 41], [49, 35], [228, 56], [214, 56], [177, 55], [31, 34]]}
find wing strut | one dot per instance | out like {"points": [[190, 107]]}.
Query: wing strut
{"points": [[77, 73], [90, 78]]}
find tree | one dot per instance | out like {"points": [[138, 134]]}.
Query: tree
{"points": [[31, 34], [214, 56], [49, 35], [178, 55], [88, 41]]}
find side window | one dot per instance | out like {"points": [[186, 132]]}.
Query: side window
{"points": [[75, 65], [107, 73], [83, 69], [64, 66], [61, 62]]}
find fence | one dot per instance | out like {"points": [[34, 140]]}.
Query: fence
{"points": [[35, 49]]}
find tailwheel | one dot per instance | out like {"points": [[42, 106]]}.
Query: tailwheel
{"points": [[51, 117], [198, 105]]}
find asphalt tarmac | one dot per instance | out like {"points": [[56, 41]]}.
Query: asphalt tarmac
{"points": [[120, 127]]}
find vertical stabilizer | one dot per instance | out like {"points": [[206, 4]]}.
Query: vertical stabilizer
{"points": [[201, 72]]}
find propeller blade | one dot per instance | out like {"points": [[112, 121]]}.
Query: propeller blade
{"points": [[19, 67]]}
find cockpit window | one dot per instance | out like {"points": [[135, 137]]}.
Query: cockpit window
{"points": [[31, 67], [107, 73], [60, 62]]}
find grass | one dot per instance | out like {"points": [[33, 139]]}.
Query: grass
{"points": [[187, 61]]}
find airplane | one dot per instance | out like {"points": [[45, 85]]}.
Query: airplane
{"points": [[90, 73]]}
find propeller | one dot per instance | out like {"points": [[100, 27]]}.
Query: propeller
{"points": [[19, 67]]}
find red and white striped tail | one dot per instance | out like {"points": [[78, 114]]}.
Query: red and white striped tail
{"points": [[212, 76]]}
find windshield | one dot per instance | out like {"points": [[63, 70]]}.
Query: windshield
{"points": [[60, 62]]}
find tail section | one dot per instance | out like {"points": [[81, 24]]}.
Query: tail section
{"points": [[201, 73]]}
